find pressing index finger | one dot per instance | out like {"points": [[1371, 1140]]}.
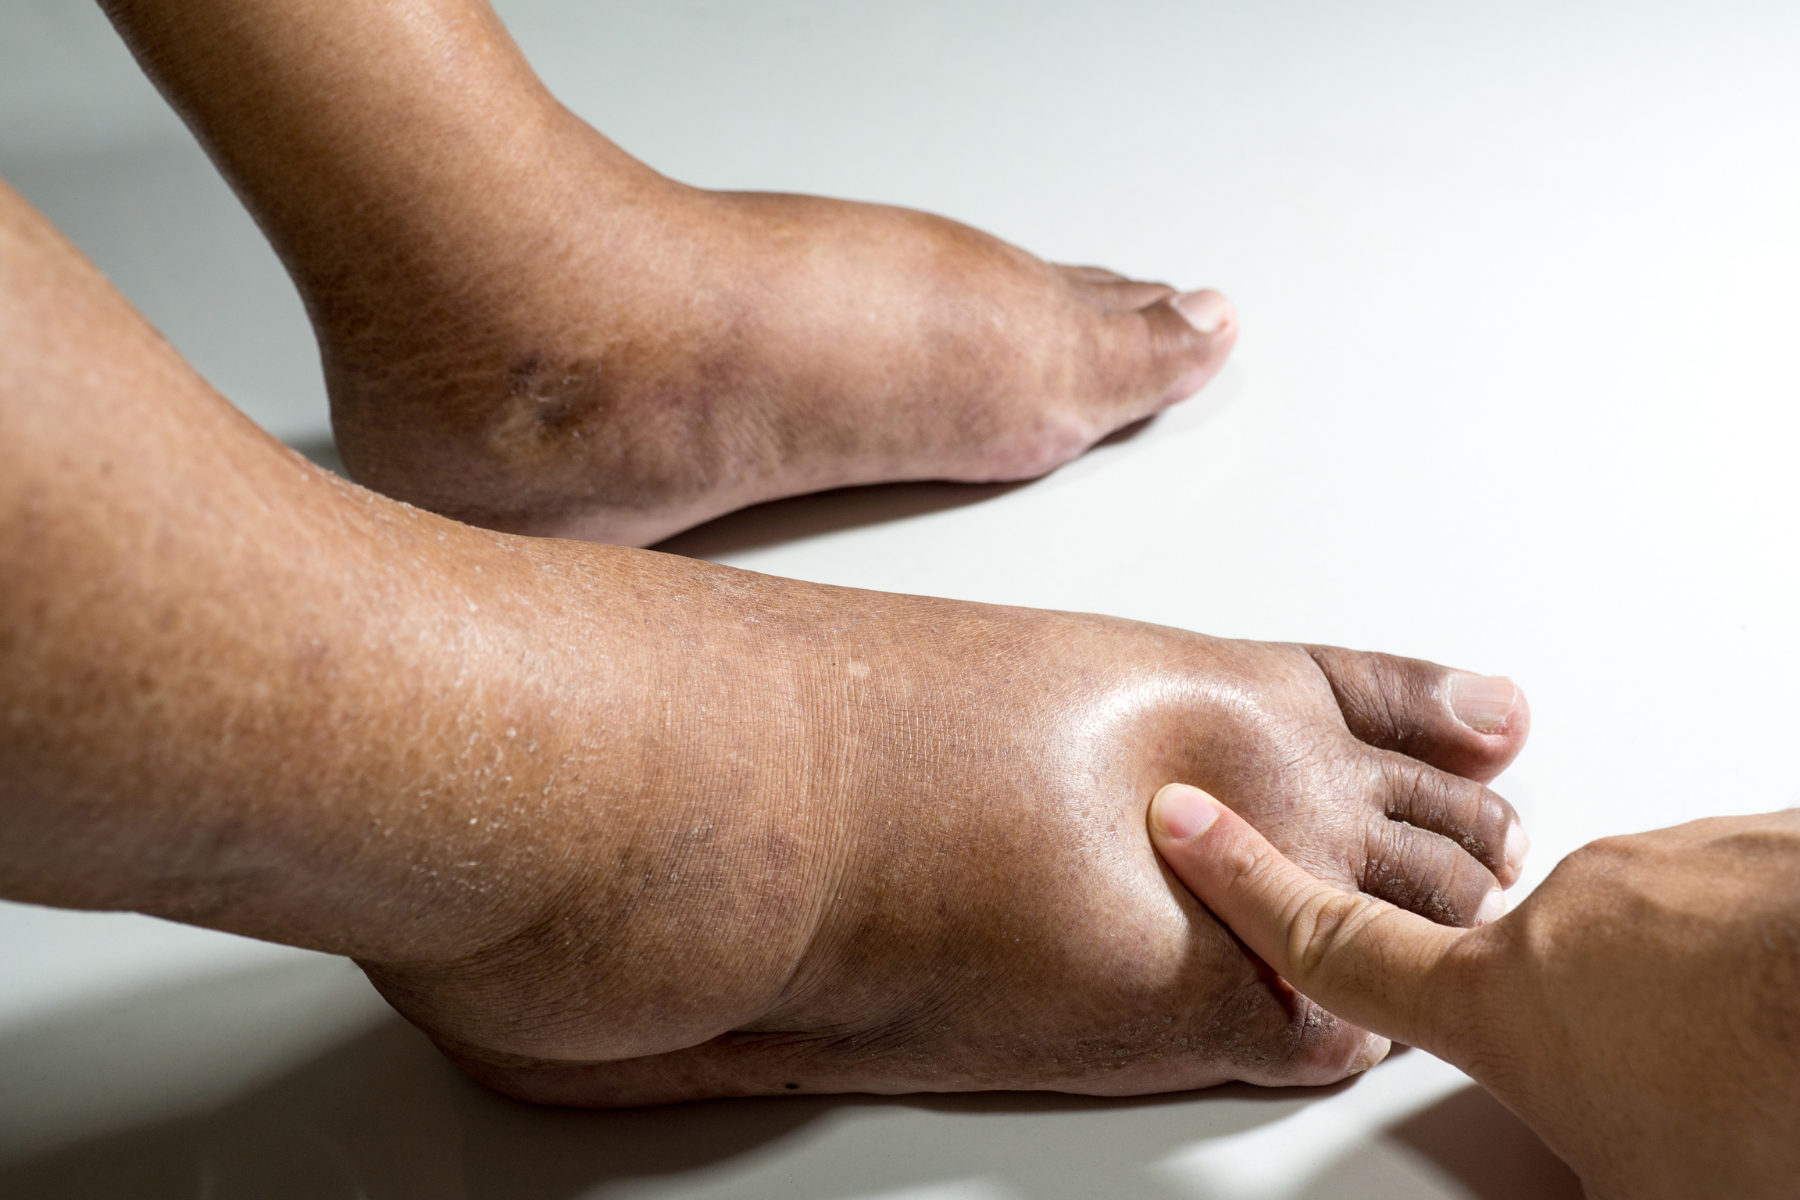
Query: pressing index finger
{"points": [[1358, 957]]}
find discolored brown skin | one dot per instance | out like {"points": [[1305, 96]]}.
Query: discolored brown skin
{"points": [[525, 328], [1640, 1010], [718, 833]]}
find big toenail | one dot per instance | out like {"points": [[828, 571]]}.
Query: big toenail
{"points": [[1206, 311], [1483, 702]]}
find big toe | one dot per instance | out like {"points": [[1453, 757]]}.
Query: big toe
{"points": [[1185, 339], [1468, 724], [1158, 346], [1197, 357]]}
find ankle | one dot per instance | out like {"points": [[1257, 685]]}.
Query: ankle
{"points": [[676, 886]]}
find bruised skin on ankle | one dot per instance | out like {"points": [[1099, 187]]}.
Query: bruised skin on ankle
{"points": [[524, 328]]}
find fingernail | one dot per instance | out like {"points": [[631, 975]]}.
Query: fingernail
{"points": [[1493, 907], [1484, 703], [1206, 311], [1182, 812], [1518, 845]]}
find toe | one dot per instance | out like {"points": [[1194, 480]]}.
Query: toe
{"points": [[1454, 808], [1111, 292], [1428, 874], [1471, 725], [1164, 351], [1319, 1049], [1198, 332]]}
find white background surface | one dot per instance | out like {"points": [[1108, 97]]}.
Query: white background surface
{"points": [[1518, 390]]}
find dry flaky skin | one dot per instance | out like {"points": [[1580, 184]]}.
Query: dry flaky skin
{"points": [[1640, 1010], [572, 803], [524, 328]]}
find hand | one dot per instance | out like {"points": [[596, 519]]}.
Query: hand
{"points": [[1640, 1010]]}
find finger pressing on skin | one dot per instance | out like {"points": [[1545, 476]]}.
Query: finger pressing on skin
{"points": [[1470, 725], [1357, 957], [1454, 807]]}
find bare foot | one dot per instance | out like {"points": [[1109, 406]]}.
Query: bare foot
{"points": [[951, 887], [525, 328], [648, 356]]}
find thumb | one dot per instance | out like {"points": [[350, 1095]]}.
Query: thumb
{"points": [[1357, 957]]}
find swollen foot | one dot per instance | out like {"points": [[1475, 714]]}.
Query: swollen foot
{"points": [[617, 357]]}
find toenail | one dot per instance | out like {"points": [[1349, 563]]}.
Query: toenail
{"points": [[1518, 844], [1207, 311], [1373, 1050], [1483, 702], [1493, 907], [1182, 812]]}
